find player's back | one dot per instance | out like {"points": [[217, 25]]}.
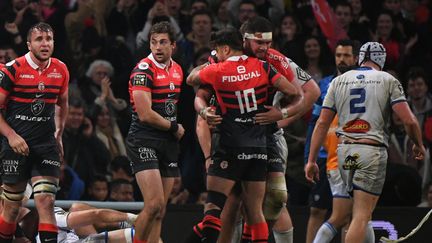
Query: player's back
{"points": [[363, 99], [241, 86]]}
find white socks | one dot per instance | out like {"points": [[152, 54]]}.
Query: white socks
{"points": [[370, 233], [284, 237], [325, 233]]}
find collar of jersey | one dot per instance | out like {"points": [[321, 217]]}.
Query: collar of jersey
{"points": [[158, 64], [237, 58], [33, 64], [363, 68]]}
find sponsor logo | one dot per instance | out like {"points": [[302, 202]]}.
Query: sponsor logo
{"points": [[140, 80], [170, 107], [171, 95], [54, 75], [173, 165], [41, 86], [276, 160], [241, 69], [244, 156], [170, 118], [51, 162], [176, 75], [244, 120], [241, 77], [39, 95], [360, 76], [281, 59], [161, 76], [147, 154], [30, 76], [143, 66], [10, 166], [172, 86], [32, 118], [356, 126], [224, 164], [37, 106], [351, 163]]}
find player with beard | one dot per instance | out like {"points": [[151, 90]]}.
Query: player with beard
{"points": [[31, 87]]}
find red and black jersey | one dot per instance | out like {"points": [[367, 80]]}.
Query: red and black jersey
{"points": [[281, 64], [32, 95], [241, 85], [164, 85]]}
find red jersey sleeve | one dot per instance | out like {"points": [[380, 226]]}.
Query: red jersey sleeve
{"points": [[66, 79], [141, 77], [271, 71], [281, 63], [208, 75]]}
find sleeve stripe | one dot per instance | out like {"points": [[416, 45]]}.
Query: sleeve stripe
{"points": [[329, 108], [397, 101]]}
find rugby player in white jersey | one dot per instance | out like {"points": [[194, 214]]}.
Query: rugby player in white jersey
{"points": [[363, 99]]}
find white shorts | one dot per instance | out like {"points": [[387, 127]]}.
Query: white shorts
{"points": [[337, 185], [363, 167]]}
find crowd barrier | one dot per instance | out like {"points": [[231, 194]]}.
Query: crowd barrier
{"points": [[391, 222]]}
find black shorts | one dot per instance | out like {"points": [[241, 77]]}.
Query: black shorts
{"points": [[277, 151], [146, 154], [320, 194], [239, 164], [43, 160]]}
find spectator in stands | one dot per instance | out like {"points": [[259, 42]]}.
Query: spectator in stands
{"points": [[246, 9], [358, 12], [7, 54], [242, 11], [316, 61], [178, 195], [70, 184], [120, 169], [344, 15], [97, 189], [222, 18], [83, 151], [107, 130], [121, 191], [289, 37], [417, 91]]}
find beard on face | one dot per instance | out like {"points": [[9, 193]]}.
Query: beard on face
{"points": [[342, 67], [248, 49]]}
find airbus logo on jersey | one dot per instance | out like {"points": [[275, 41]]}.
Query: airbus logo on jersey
{"points": [[29, 76], [241, 77]]}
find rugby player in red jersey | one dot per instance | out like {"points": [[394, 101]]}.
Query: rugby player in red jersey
{"points": [[30, 88], [241, 86], [152, 142]]}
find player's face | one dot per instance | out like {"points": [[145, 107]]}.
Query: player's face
{"points": [[258, 48], [344, 58], [41, 45], [161, 47], [221, 53]]}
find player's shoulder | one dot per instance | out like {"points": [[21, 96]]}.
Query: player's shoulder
{"points": [[275, 54], [59, 64]]}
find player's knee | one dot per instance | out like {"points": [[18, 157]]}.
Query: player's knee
{"points": [[12, 196], [154, 207], [276, 197]]}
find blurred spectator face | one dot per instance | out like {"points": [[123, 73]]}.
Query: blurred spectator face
{"points": [[246, 11], [99, 73], [129, 3], [198, 6], [202, 59], [161, 47], [356, 6], [344, 58], [417, 88], [393, 5], [223, 13], [7, 55], [409, 5], [19, 4], [41, 44], [258, 48], [98, 190], [384, 25], [173, 6], [121, 174], [75, 117], [46, 2], [343, 16], [104, 118], [124, 193], [312, 48], [201, 25], [288, 26]]}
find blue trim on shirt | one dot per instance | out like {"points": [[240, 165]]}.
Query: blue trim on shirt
{"points": [[363, 68]]}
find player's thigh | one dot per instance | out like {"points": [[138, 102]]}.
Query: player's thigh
{"points": [[168, 152], [46, 161], [363, 204], [277, 153], [15, 168]]}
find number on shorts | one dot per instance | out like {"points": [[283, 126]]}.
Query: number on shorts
{"points": [[246, 104], [357, 102]]}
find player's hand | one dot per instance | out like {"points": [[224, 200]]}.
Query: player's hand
{"points": [[18, 144], [212, 119], [180, 132], [419, 152], [311, 172], [271, 116]]}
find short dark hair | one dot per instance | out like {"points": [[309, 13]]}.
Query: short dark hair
{"points": [[121, 162], [418, 72], [256, 24], [163, 27], [355, 44], [115, 184], [343, 4], [230, 37], [98, 177], [41, 26], [77, 103], [202, 12]]}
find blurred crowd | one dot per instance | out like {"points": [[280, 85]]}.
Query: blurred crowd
{"points": [[101, 40]]}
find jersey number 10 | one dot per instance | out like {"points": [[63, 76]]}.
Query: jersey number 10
{"points": [[247, 102]]}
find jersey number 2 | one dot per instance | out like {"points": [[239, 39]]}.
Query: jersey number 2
{"points": [[357, 102], [247, 103]]}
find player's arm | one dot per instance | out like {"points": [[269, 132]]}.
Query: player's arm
{"points": [[318, 136], [193, 78], [16, 142], [61, 113], [411, 126]]}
